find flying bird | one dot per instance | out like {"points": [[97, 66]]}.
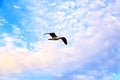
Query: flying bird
{"points": [[55, 37]]}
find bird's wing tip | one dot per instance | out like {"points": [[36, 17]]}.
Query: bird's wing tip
{"points": [[45, 33], [49, 33], [64, 40]]}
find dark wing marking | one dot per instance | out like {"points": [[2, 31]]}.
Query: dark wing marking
{"points": [[64, 40], [51, 34]]}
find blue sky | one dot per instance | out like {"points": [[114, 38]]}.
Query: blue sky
{"points": [[92, 28]]}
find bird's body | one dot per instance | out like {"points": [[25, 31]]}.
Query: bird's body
{"points": [[55, 37]]}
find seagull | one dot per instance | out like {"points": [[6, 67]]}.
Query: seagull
{"points": [[55, 37]]}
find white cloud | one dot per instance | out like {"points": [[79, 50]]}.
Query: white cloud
{"points": [[58, 16], [83, 77], [16, 7], [89, 33], [16, 30], [16, 60], [82, 3], [67, 5], [2, 21], [94, 75], [114, 7], [95, 5]]}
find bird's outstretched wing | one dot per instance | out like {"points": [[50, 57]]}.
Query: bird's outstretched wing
{"points": [[64, 40], [51, 34]]}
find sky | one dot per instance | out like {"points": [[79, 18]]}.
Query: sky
{"points": [[91, 27]]}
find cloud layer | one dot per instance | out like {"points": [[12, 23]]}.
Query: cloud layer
{"points": [[92, 29]]}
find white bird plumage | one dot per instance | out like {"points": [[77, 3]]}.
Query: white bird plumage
{"points": [[55, 37]]}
